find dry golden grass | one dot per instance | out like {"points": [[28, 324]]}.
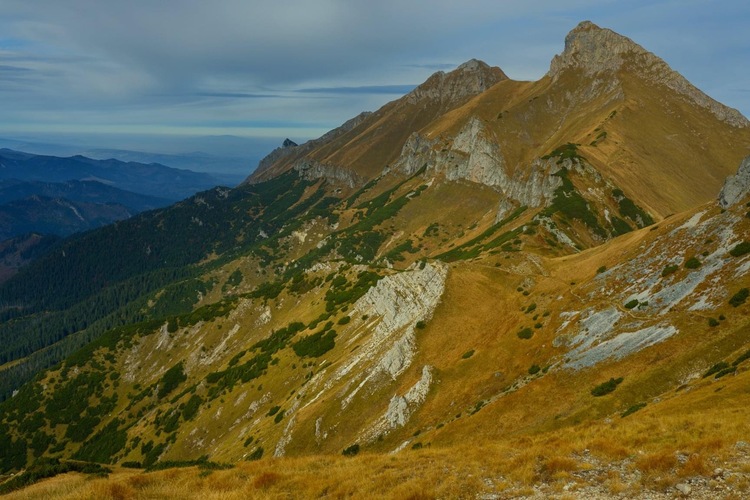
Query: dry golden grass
{"points": [[694, 466], [507, 467], [656, 463]]}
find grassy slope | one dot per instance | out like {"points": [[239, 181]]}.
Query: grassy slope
{"points": [[701, 425]]}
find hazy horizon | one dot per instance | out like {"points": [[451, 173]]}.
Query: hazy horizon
{"points": [[164, 78]]}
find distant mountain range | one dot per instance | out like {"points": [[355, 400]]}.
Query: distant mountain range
{"points": [[227, 158], [79, 191], [51, 195], [151, 179]]}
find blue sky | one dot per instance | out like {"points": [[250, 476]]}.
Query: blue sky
{"points": [[113, 71]]}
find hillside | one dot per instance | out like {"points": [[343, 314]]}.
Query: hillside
{"points": [[62, 209], [17, 252], [485, 288]]}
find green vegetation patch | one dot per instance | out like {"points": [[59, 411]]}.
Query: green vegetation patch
{"points": [[253, 368], [467, 354], [632, 211], [525, 333], [171, 379], [394, 254], [739, 298], [606, 387], [619, 226], [570, 204], [740, 249], [104, 445], [190, 410], [350, 451], [315, 345], [633, 409], [477, 245], [432, 230], [257, 454], [50, 467], [203, 463], [742, 358], [631, 304], [672, 268], [692, 263], [343, 292], [721, 365], [567, 151]]}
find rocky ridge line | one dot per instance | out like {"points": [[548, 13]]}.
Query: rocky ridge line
{"points": [[471, 78], [596, 50]]}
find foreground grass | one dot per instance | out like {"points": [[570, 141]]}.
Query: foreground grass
{"points": [[686, 436]]}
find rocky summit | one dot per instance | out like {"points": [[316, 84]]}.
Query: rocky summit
{"points": [[487, 288]]}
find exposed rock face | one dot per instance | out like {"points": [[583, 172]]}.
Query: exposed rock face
{"points": [[400, 408], [286, 149], [535, 185], [397, 302], [471, 78], [736, 186], [475, 155], [595, 50], [311, 170]]}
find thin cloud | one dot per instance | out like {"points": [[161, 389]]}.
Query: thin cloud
{"points": [[237, 95], [13, 69], [433, 66], [362, 89]]}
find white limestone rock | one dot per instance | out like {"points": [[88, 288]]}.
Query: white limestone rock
{"points": [[736, 186], [312, 170]]}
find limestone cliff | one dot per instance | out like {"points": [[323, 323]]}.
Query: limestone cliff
{"points": [[736, 186]]}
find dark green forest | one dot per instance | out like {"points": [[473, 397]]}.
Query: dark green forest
{"points": [[102, 279]]}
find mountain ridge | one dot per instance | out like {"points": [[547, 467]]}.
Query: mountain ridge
{"points": [[153, 180], [597, 75], [416, 285]]}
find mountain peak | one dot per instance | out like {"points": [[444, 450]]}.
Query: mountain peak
{"points": [[473, 65], [469, 79], [592, 50]]}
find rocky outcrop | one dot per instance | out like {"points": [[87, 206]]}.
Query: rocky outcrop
{"points": [[287, 148], [312, 170], [475, 155], [471, 78], [736, 186], [396, 304], [290, 150], [596, 50], [401, 408], [535, 185]]}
